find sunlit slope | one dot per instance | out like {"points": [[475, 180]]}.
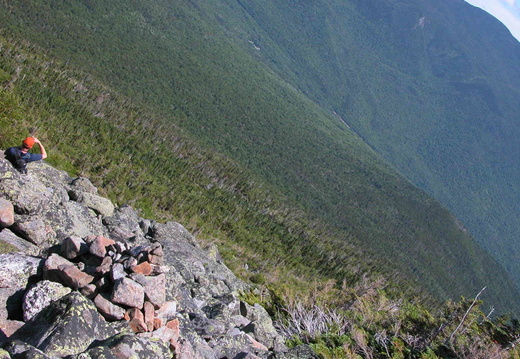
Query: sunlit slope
{"points": [[432, 86], [202, 67]]}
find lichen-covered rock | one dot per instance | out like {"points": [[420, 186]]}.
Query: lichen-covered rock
{"points": [[98, 204], [261, 326], [40, 296], [74, 219], [83, 184], [27, 195], [40, 191], [32, 229], [192, 266], [20, 350], [237, 346], [17, 271], [4, 354], [124, 225], [128, 347], [6, 213], [299, 352], [19, 243], [66, 327]]}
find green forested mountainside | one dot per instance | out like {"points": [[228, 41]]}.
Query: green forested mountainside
{"points": [[196, 65], [433, 87]]}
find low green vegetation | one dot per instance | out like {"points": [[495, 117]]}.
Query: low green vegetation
{"points": [[367, 321]]}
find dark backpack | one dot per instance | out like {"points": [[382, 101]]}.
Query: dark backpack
{"points": [[20, 163]]}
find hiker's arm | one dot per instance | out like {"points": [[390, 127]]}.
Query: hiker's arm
{"points": [[42, 149]]}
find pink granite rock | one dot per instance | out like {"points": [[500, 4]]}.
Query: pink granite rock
{"points": [[108, 309], [129, 293], [99, 245]]}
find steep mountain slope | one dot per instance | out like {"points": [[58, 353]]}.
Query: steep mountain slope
{"points": [[197, 65], [432, 86]]}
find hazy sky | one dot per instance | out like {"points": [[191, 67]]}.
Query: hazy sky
{"points": [[507, 11]]}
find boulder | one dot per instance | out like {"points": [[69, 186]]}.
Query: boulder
{"points": [[32, 229], [261, 326], [194, 272], [66, 327], [238, 347], [83, 184], [73, 246], [40, 295], [40, 191], [154, 288], [18, 243], [108, 309], [17, 349], [125, 225], [6, 213], [17, 271], [128, 293], [72, 277], [99, 245], [98, 204], [74, 219], [125, 346]]}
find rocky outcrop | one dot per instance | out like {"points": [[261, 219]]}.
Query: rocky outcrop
{"points": [[87, 279]]}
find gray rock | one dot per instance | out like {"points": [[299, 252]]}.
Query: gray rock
{"points": [[117, 272], [17, 271], [98, 204], [261, 326], [40, 191], [238, 346], [192, 266], [74, 219], [32, 229], [129, 347], [124, 226], [83, 184], [6, 213], [19, 243], [40, 295], [299, 352], [21, 350], [66, 327]]}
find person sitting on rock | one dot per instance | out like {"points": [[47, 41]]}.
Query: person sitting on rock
{"points": [[20, 156]]}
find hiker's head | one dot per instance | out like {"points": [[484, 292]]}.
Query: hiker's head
{"points": [[28, 143]]}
